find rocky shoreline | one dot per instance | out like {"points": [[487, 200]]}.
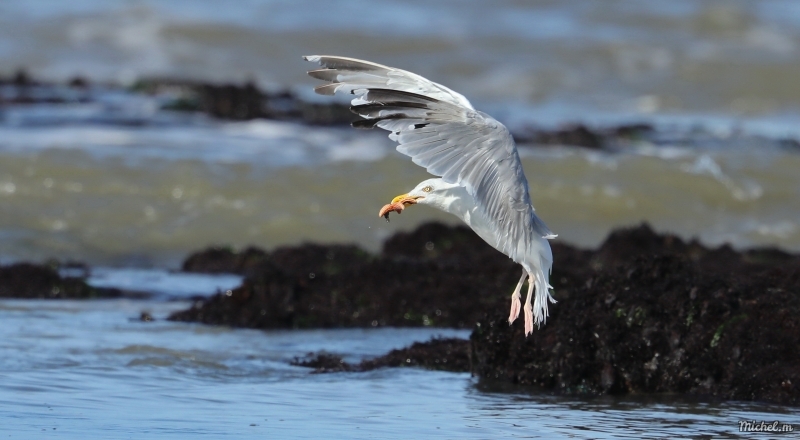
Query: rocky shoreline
{"points": [[43, 281], [643, 313]]}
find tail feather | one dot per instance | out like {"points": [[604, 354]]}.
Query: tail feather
{"points": [[542, 296]]}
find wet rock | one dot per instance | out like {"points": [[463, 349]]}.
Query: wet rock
{"points": [[447, 354], [243, 102], [323, 363], [577, 135], [225, 260], [22, 79], [343, 286], [788, 143], [22, 89], [632, 131], [249, 102], [78, 82], [660, 322], [645, 312], [229, 101], [232, 102], [432, 241], [26, 280]]}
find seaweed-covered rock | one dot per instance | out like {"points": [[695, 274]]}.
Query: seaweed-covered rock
{"points": [[243, 102], [323, 362], [343, 286], [225, 260], [447, 354], [577, 135], [380, 292], [26, 280], [661, 322], [645, 312]]}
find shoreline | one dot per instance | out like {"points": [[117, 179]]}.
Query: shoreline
{"points": [[643, 313]]}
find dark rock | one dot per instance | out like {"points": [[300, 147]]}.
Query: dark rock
{"points": [[789, 143], [78, 82], [432, 241], [244, 102], [343, 286], [323, 363], [231, 101], [22, 79], [659, 323], [25, 280], [447, 354], [645, 312], [621, 244], [225, 260], [632, 131], [577, 135], [265, 300], [325, 113]]}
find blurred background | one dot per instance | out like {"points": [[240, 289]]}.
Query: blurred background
{"points": [[97, 166]]}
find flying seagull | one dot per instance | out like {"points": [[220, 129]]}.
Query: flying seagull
{"points": [[480, 177]]}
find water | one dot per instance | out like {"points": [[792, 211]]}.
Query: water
{"points": [[92, 369], [119, 182], [149, 196], [131, 190]]}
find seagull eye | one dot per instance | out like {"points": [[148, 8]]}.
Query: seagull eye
{"points": [[427, 189]]}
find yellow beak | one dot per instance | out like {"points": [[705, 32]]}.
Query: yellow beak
{"points": [[398, 204], [406, 199]]}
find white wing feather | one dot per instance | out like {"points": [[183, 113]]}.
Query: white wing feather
{"points": [[441, 131], [346, 74]]}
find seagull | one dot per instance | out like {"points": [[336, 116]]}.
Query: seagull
{"points": [[479, 174]]}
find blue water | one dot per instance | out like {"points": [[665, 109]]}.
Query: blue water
{"points": [[92, 369]]}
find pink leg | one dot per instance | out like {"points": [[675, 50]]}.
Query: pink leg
{"points": [[515, 304], [528, 309]]}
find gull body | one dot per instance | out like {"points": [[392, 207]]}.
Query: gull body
{"points": [[480, 181]]}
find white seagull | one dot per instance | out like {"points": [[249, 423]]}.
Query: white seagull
{"points": [[480, 177]]}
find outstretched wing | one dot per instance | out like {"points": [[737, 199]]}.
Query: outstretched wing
{"points": [[347, 74], [440, 131]]}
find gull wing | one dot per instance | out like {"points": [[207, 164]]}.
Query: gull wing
{"points": [[347, 74], [441, 132]]}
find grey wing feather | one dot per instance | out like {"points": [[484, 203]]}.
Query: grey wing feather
{"points": [[349, 74], [441, 132]]}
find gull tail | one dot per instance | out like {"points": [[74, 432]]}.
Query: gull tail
{"points": [[542, 297]]}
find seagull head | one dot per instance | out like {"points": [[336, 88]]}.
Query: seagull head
{"points": [[434, 192]]}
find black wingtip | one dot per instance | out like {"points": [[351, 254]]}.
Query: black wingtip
{"points": [[370, 123], [365, 124]]}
